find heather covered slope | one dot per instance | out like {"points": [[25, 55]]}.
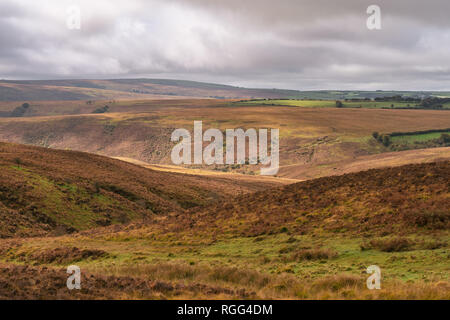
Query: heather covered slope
{"points": [[401, 200], [310, 240], [53, 191]]}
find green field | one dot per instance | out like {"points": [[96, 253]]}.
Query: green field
{"points": [[421, 137], [332, 103]]}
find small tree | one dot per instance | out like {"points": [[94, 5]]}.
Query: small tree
{"points": [[386, 140], [445, 138], [20, 111], [101, 109]]}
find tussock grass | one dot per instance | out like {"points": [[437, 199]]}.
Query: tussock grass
{"points": [[389, 245], [399, 244], [284, 286], [338, 282], [314, 254]]}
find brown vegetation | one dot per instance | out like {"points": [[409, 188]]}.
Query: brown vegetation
{"points": [[389, 245], [404, 199], [139, 129], [46, 191], [24, 282]]}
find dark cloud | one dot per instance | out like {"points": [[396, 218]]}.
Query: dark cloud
{"points": [[299, 44]]}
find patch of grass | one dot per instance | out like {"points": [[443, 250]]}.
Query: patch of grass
{"points": [[313, 254], [339, 282], [328, 103], [389, 244], [411, 139]]}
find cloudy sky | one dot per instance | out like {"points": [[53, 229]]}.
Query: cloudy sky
{"points": [[296, 44]]}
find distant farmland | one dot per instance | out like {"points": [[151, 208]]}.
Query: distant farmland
{"points": [[332, 104]]}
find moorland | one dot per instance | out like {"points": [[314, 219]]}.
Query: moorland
{"points": [[87, 179]]}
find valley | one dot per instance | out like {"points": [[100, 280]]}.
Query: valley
{"points": [[89, 181]]}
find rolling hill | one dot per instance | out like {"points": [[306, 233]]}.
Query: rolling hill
{"points": [[400, 200], [39, 90], [140, 227], [79, 89], [313, 141], [309, 240], [44, 191]]}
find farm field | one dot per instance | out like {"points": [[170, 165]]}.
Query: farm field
{"points": [[409, 139], [332, 104]]}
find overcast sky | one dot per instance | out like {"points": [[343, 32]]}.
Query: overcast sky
{"points": [[296, 44]]}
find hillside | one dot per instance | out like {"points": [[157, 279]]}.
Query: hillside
{"points": [[401, 200], [40, 90], [310, 240], [79, 89], [46, 191], [313, 141], [365, 162]]}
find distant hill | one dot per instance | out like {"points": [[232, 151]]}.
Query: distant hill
{"points": [[40, 90]]}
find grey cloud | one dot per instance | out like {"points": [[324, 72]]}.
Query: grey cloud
{"points": [[298, 44]]}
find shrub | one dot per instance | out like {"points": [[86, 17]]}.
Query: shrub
{"points": [[313, 254], [20, 111], [101, 110], [339, 282], [18, 161], [389, 245], [386, 140], [433, 245], [433, 219], [445, 138]]}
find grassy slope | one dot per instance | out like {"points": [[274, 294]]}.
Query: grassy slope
{"points": [[308, 240], [374, 202], [410, 139], [309, 136], [365, 162], [44, 190], [76, 107]]}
